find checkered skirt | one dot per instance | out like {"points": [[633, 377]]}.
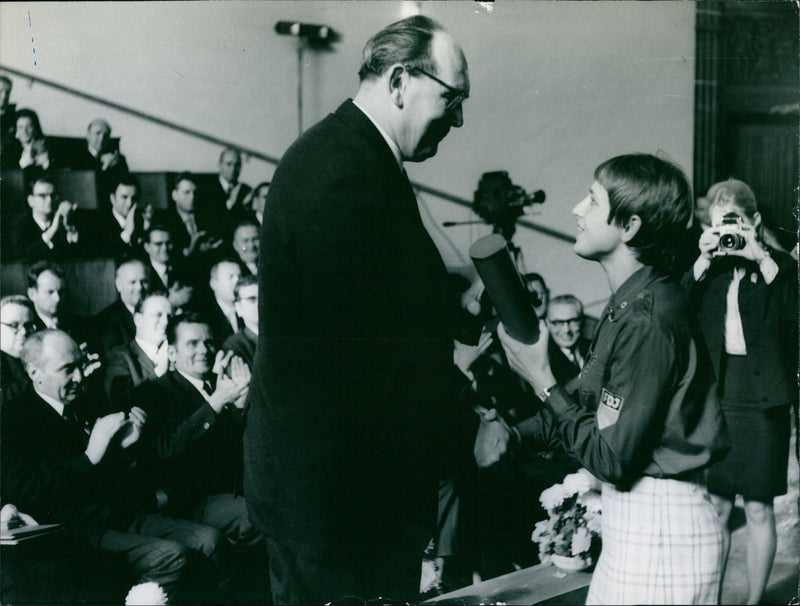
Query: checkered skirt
{"points": [[662, 544]]}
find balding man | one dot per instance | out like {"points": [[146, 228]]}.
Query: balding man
{"points": [[351, 401], [100, 153], [61, 462], [225, 194], [114, 326]]}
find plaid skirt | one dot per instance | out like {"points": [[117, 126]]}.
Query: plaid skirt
{"points": [[662, 544]]}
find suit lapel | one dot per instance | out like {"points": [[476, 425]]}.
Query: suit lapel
{"points": [[145, 364], [187, 389]]}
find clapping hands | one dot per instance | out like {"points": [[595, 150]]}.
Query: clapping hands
{"points": [[233, 381]]}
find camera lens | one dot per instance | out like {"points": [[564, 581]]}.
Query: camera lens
{"points": [[731, 242]]}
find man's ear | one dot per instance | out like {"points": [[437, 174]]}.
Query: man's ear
{"points": [[171, 354], [631, 229], [398, 78], [34, 373]]}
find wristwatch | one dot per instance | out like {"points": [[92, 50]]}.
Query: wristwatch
{"points": [[545, 393]]}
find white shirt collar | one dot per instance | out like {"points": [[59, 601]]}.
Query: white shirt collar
{"points": [[42, 225], [54, 404], [225, 184], [389, 141], [197, 383], [253, 329], [161, 269], [226, 308], [48, 321]]}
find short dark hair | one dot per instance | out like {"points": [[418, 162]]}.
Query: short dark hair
{"points": [[657, 191], [187, 317], [534, 277], [248, 280], [246, 222], [184, 176], [407, 41], [137, 309], [156, 227], [123, 179], [40, 177], [38, 268]]}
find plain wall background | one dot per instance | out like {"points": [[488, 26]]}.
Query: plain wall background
{"points": [[557, 87]]}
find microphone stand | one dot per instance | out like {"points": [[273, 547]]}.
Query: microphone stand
{"points": [[300, 46]]}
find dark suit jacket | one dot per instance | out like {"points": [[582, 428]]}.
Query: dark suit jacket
{"points": [[212, 199], [207, 307], [769, 321], [74, 326], [84, 160], [47, 475], [198, 452], [106, 240], [350, 409], [126, 367], [27, 243], [13, 378], [242, 344], [112, 327], [565, 370]]}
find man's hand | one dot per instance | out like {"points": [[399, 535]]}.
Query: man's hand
{"points": [[531, 362], [90, 362], [179, 294], [132, 429], [464, 355], [130, 224], [109, 159], [105, 428], [240, 375], [11, 518], [229, 389], [231, 201], [201, 241], [493, 440], [227, 392]]}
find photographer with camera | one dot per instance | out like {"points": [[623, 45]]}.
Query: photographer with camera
{"points": [[745, 295]]}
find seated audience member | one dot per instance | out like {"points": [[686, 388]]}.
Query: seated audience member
{"points": [[119, 229], [16, 323], [225, 195], [45, 290], [61, 463], [144, 356], [246, 237], [166, 272], [29, 149], [99, 153], [194, 230], [218, 306], [114, 326], [258, 201], [243, 343], [7, 111], [194, 425], [540, 294], [567, 347], [49, 231]]}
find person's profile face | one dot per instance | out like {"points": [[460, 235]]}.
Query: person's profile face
{"points": [[159, 247], [123, 199], [230, 166], [259, 200], [46, 295], [98, 135], [596, 238], [427, 118], [151, 321], [247, 304], [536, 288], [224, 281], [59, 374], [183, 195]]}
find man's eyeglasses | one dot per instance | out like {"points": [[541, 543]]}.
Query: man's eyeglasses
{"points": [[16, 327], [572, 322], [457, 96]]}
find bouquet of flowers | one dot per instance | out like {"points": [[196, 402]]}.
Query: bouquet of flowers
{"points": [[573, 527]]}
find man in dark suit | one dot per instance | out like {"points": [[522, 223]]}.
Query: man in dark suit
{"points": [[224, 195], [118, 230], [567, 347], [61, 462], [195, 428], [167, 272], [217, 304], [46, 290], [99, 153], [246, 238], [50, 230], [143, 357], [243, 343], [16, 323], [113, 326], [351, 406]]}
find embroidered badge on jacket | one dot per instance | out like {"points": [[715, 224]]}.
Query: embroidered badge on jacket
{"points": [[608, 411]]}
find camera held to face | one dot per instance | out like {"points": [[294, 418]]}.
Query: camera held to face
{"points": [[730, 233]]}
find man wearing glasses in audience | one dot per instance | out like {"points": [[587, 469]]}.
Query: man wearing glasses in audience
{"points": [[568, 349], [16, 323]]}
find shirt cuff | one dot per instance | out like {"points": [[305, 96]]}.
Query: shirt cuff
{"points": [[700, 268], [769, 269]]}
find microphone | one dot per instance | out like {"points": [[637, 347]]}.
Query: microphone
{"points": [[304, 30]]}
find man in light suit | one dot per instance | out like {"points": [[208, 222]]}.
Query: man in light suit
{"points": [[352, 400], [143, 357]]}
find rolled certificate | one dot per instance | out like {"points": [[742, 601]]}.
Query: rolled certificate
{"points": [[510, 297]]}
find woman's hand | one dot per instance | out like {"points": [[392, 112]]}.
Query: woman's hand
{"points": [[531, 362]]}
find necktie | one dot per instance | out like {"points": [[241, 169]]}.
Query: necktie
{"points": [[167, 276], [74, 423], [207, 388]]}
